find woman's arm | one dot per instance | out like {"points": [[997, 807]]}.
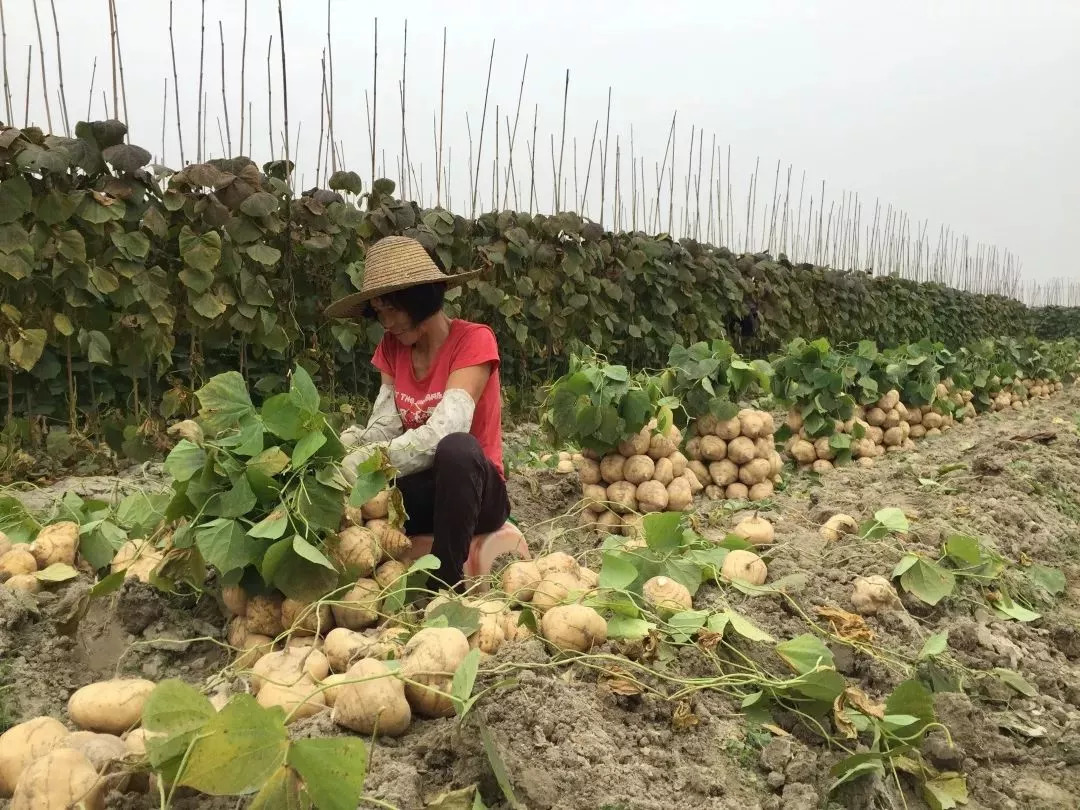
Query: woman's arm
{"points": [[384, 423], [414, 450]]}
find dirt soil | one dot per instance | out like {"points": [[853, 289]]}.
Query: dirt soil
{"points": [[569, 741]]}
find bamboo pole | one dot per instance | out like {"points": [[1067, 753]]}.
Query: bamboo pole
{"points": [[439, 148], [604, 161], [41, 61], [374, 101], [284, 85], [120, 62], [243, 77], [9, 113], [202, 109], [404, 63], [270, 97], [176, 86], [512, 136], [562, 144], [224, 94]]}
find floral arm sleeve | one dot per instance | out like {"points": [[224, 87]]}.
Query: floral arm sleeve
{"points": [[414, 450]]}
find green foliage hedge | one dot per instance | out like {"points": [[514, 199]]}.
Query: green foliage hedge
{"points": [[1055, 323], [124, 287]]}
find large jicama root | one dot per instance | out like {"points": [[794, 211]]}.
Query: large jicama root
{"points": [[21, 744], [344, 647], [61, 779], [305, 618], [16, 562], [57, 543], [372, 700], [137, 559], [299, 699], [110, 707], [666, 596], [745, 566], [288, 667], [519, 580], [837, 526], [358, 550], [574, 627], [359, 608], [756, 530], [431, 658], [874, 594]]}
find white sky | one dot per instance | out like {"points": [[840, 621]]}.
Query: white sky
{"points": [[964, 113]]}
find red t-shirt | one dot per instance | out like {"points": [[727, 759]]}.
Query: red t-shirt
{"points": [[468, 344]]}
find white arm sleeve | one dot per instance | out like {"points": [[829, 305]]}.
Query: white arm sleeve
{"points": [[384, 423], [414, 450]]}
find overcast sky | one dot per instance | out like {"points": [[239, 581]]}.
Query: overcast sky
{"points": [[965, 114]]}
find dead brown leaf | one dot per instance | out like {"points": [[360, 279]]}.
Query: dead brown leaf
{"points": [[683, 718], [840, 720], [846, 625], [708, 639], [618, 681], [779, 732], [860, 701]]}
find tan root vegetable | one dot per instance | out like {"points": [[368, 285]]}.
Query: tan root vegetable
{"points": [[651, 496], [235, 599], [611, 468], [754, 471], [755, 529], [332, 687], [57, 543], [823, 449], [609, 522], [803, 452], [713, 448], [865, 461], [288, 666], [17, 561], [22, 744], [594, 496], [589, 471], [374, 702], [431, 658], [490, 635], [358, 550], [60, 779], [700, 471], [889, 401], [27, 583], [111, 707], [715, 493], [100, 749], [574, 627], [622, 497], [874, 594], [554, 588], [822, 466], [737, 492], [264, 615], [638, 469], [344, 647], [664, 472], [837, 526], [138, 559], [636, 445], [680, 496], [662, 446], [378, 507], [894, 437], [705, 425], [390, 572], [678, 463], [557, 561], [741, 450], [588, 579], [729, 429], [692, 481], [723, 472], [254, 647], [5, 544], [513, 629], [760, 491], [359, 607], [932, 420], [298, 699], [393, 543], [764, 447], [306, 619], [751, 424], [693, 449], [745, 566], [236, 631], [519, 579], [666, 596]]}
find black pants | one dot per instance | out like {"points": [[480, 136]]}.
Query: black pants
{"points": [[459, 496]]}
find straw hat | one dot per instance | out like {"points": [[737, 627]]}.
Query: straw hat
{"points": [[394, 263]]}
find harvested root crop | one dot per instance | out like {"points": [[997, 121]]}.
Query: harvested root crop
{"points": [[874, 594], [431, 658], [755, 529], [745, 566], [21, 744], [554, 588], [666, 596], [574, 627], [519, 579], [359, 607], [373, 701], [17, 561], [264, 615], [110, 707], [378, 507], [288, 667], [56, 543], [306, 619], [299, 699], [60, 779], [837, 526], [358, 550]]}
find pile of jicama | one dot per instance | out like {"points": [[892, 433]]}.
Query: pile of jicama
{"points": [[888, 426], [647, 473], [736, 457], [23, 566]]}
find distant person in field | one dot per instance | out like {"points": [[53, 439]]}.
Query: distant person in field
{"points": [[438, 412]]}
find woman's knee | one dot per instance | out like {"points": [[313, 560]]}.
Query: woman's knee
{"points": [[459, 448]]}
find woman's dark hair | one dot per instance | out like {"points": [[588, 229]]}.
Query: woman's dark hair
{"points": [[419, 302]]}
